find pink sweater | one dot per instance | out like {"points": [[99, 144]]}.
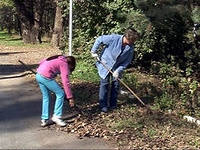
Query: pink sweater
{"points": [[51, 68]]}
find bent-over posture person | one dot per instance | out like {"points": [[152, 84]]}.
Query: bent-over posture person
{"points": [[46, 72], [116, 55]]}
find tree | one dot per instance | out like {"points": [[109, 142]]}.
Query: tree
{"points": [[48, 18], [7, 16], [30, 16], [58, 27]]}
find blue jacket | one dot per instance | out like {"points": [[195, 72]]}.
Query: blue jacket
{"points": [[114, 55]]}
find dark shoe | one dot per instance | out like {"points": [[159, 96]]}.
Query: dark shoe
{"points": [[112, 107]]}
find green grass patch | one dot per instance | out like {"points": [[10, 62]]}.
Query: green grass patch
{"points": [[164, 102], [10, 40], [152, 132], [85, 71], [15, 40], [126, 123]]}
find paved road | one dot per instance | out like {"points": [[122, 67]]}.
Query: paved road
{"points": [[20, 119]]}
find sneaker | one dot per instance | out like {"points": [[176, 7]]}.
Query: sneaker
{"points": [[44, 122], [104, 109], [58, 121]]}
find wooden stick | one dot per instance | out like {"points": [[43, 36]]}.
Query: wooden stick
{"points": [[28, 68], [122, 83]]}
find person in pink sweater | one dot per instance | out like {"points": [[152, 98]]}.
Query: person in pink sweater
{"points": [[46, 72]]}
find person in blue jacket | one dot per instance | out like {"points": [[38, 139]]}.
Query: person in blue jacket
{"points": [[117, 54]]}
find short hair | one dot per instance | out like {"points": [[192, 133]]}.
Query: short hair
{"points": [[131, 34]]}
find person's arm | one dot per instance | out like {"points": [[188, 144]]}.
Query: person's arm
{"points": [[64, 73], [104, 39], [124, 64]]}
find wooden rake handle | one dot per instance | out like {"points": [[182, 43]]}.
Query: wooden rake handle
{"points": [[122, 82], [28, 68]]}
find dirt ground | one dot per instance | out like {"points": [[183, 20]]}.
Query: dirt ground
{"points": [[160, 130]]}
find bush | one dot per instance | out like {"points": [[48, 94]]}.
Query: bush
{"points": [[165, 101]]}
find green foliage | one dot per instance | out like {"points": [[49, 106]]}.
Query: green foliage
{"points": [[166, 46], [6, 3], [152, 132], [127, 123], [85, 71], [165, 70], [196, 14], [8, 19], [131, 79], [190, 92], [144, 46], [48, 18], [168, 26], [165, 101], [163, 25], [178, 91], [94, 18]]}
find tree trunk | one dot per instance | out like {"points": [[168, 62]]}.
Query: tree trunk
{"points": [[18, 27], [58, 27], [38, 13], [30, 16], [190, 5], [9, 30]]}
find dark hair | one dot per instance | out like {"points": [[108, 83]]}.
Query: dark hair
{"points": [[71, 62], [131, 34], [53, 57]]}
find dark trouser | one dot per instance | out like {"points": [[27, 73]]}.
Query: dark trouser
{"points": [[104, 92]]}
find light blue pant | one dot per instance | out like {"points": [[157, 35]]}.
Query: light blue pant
{"points": [[46, 85]]}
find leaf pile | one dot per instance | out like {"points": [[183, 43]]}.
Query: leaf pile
{"points": [[130, 128]]}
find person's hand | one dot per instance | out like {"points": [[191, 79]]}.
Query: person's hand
{"points": [[71, 102], [95, 55], [116, 74]]}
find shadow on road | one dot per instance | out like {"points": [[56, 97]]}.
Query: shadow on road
{"points": [[20, 104], [10, 53], [9, 69], [14, 76]]}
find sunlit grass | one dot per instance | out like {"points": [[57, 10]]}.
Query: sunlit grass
{"points": [[10, 40], [85, 71], [15, 40], [126, 123]]}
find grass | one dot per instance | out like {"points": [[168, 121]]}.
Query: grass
{"points": [[126, 123], [10, 40], [85, 71], [15, 40]]}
